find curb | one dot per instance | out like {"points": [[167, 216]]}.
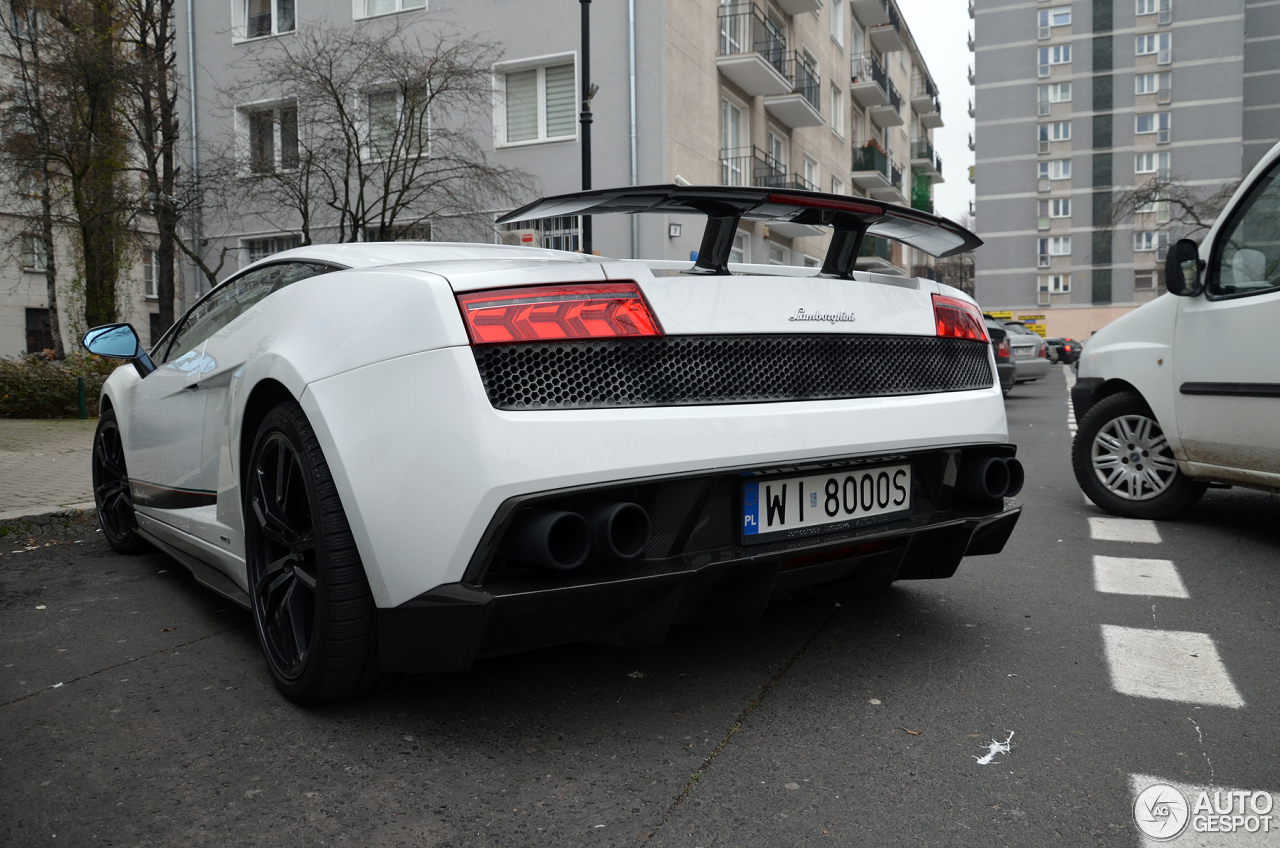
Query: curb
{"points": [[43, 516]]}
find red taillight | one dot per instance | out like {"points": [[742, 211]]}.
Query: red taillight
{"points": [[1043, 353], [551, 313], [1067, 348], [957, 319], [1003, 350]]}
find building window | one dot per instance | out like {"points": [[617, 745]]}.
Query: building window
{"points": [[1158, 44], [837, 185], [39, 335], [372, 8], [738, 253], [1056, 207], [1155, 122], [262, 248], [837, 111], [733, 164], [1057, 16], [268, 17], [1059, 245], [1055, 283], [1055, 92], [539, 105], [398, 124], [272, 138], [34, 256], [1149, 240], [1163, 8], [1151, 163], [837, 22], [1144, 280], [561, 233], [777, 152], [1058, 54], [1055, 169], [811, 173], [777, 254], [1152, 83], [1055, 131], [150, 274]]}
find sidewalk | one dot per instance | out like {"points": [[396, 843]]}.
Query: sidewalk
{"points": [[44, 468]]}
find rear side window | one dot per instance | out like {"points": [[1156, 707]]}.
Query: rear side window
{"points": [[1246, 257], [227, 302]]}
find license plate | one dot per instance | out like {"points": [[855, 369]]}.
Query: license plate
{"points": [[793, 507]]}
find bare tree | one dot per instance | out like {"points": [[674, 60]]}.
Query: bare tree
{"points": [[63, 116], [1187, 211], [374, 131]]}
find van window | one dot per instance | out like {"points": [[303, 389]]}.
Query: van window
{"points": [[1246, 258]]}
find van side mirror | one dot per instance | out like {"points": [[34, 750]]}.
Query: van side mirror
{"points": [[119, 341], [1182, 269]]}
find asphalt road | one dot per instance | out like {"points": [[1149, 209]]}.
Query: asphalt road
{"points": [[136, 710]]}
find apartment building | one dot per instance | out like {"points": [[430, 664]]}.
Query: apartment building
{"points": [[1080, 105]]}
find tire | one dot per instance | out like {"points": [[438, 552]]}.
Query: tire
{"points": [[1121, 441], [111, 492], [312, 608]]}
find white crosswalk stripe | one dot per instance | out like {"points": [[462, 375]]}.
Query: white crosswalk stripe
{"points": [[1137, 530], [1170, 665], [1129, 576]]}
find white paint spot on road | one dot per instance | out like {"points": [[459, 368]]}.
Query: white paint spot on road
{"points": [[1170, 665], [995, 747], [1110, 529], [1127, 576]]}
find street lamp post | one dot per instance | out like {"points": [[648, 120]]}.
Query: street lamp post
{"points": [[584, 117]]}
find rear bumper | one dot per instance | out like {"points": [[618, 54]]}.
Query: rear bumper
{"points": [[1032, 369], [1008, 374], [708, 576]]}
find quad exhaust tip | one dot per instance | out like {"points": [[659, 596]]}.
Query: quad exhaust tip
{"points": [[562, 540], [989, 478]]}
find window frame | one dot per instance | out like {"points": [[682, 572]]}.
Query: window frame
{"points": [[838, 120], [242, 25], [245, 117], [399, 133], [836, 22], [1054, 283], [150, 273], [1046, 168], [360, 9], [33, 248], [1212, 270], [540, 64]]}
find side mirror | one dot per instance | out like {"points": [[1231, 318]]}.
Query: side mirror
{"points": [[1182, 269], [119, 341]]}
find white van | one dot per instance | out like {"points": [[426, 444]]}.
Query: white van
{"points": [[1185, 391]]}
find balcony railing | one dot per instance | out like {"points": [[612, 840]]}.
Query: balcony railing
{"points": [[895, 99], [803, 74], [923, 88], [744, 28], [895, 175], [871, 158], [867, 68], [749, 166], [921, 149], [937, 165]]}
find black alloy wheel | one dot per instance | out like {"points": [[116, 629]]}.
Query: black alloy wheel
{"points": [[111, 492], [311, 603]]}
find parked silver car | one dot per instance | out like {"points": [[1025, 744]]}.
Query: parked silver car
{"points": [[1030, 353]]}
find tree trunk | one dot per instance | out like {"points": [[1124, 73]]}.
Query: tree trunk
{"points": [[51, 266]]}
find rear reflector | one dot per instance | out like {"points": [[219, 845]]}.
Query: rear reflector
{"points": [[551, 313], [957, 319], [849, 552]]}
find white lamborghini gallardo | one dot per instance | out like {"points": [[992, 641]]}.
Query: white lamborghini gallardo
{"points": [[405, 457]]}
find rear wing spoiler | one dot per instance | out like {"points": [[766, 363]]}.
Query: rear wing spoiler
{"points": [[851, 219]]}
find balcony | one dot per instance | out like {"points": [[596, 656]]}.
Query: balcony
{"points": [[972, 146], [937, 170], [875, 255], [753, 52], [973, 113], [923, 94], [871, 168], [893, 192], [750, 166], [973, 79], [800, 107], [921, 152], [887, 38], [971, 14], [870, 86], [931, 116], [973, 174], [888, 114], [798, 7], [972, 44], [871, 12]]}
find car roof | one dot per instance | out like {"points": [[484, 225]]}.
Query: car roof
{"points": [[373, 254]]}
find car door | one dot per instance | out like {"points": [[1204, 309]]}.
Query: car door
{"points": [[232, 331], [1227, 376]]}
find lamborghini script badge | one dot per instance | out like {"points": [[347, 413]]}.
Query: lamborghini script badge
{"points": [[829, 317]]}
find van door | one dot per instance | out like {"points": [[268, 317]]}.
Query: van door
{"points": [[1226, 367]]}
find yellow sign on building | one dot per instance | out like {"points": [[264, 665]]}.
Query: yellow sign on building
{"points": [[1034, 323]]}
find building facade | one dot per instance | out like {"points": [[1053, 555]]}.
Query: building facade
{"points": [[1081, 107]]}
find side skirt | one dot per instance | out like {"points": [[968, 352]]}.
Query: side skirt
{"points": [[206, 575]]}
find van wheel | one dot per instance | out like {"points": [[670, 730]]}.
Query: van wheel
{"points": [[1123, 462]]}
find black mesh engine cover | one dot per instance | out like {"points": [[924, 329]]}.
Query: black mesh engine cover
{"points": [[702, 370]]}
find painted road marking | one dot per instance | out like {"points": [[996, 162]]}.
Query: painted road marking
{"points": [[1124, 530], [1196, 833], [1170, 665], [1127, 576]]}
